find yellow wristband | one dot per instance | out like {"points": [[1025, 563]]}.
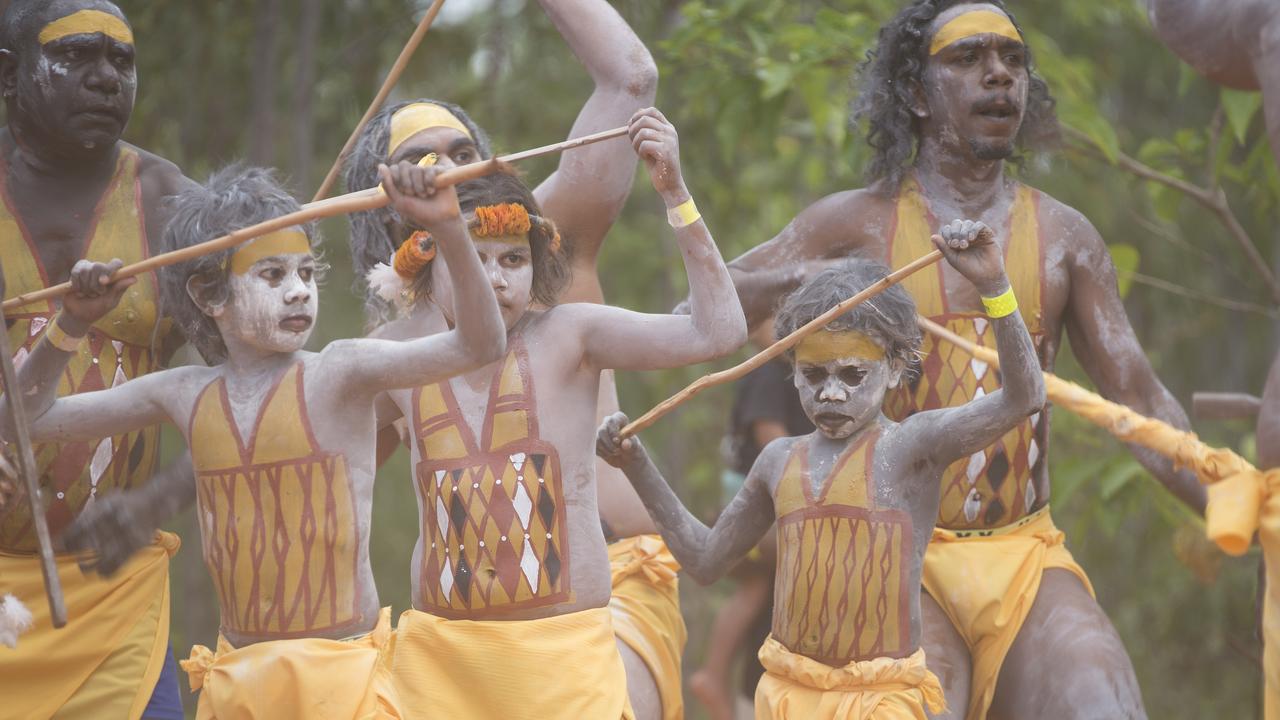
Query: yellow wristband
{"points": [[59, 338], [684, 214], [1001, 305]]}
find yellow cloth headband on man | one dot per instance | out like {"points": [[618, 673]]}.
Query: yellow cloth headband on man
{"points": [[967, 25], [825, 346], [413, 119], [87, 22], [280, 242]]}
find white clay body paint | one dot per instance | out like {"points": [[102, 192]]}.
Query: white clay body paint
{"points": [[263, 301]]}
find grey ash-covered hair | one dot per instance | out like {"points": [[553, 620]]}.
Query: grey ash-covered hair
{"points": [[889, 318], [369, 239], [234, 197]]}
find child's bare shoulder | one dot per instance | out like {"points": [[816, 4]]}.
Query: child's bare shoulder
{"points": [[772, 460]]}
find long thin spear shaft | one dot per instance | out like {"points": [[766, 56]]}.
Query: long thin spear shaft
{"points": [[776, 349], [349, 203], [387, 85], [27, 468]]}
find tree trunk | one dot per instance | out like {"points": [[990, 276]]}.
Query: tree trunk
{"points": [[304, 94], [266, 56]]}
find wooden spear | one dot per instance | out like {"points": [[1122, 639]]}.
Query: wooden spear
{"points": [[31, 480], [390, 82], [349, 203], [776, 349]]}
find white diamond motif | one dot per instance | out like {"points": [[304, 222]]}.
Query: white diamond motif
{"points": [[979, 393], [36, 326], [119, 379], [979, 368], [1031, 494], [523, 505], [529, 566], [446, 578], [1033, 453], [98, 466], [1035, 419], [517, 461], [442, 520], [977, 461], [439, 478], [980, 324], [19, 358], [972, 505]]}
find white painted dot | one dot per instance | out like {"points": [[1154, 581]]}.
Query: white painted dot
{"points": [[520, 478], [481, 543], [526, 536], [95, 361], [475, 485], [499, 481], [504, 538], [548, 536], [455, 488], [541, 481], [61, 495], [433, 546]]}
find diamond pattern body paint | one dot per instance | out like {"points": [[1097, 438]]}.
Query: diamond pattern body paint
{"points": [[493, 520], [119, 347], [992, 487]]}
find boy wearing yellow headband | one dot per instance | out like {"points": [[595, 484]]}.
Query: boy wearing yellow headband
{"points": [[855, 501], [948, 95], [511, 579], [282, 442]]}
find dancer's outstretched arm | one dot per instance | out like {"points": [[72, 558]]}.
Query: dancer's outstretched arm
{"points": [[704, 553]]}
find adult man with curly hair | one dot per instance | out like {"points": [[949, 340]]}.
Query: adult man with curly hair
{"points": [[950, 95]]}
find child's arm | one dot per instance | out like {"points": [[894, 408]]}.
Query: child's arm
{"points": [[706, 554], [87, 416], [479, 336], [616, 338], [949, 434]]}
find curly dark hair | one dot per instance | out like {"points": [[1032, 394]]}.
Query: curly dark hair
{"points": [[234, 197], [550, 266], [896, 66], [369, 240], [889, 317]]}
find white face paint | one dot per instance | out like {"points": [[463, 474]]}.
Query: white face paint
{"points": [[843, 395], [508, 263], [272, 307]]}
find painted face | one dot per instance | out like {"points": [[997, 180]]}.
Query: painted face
{"points": [[975, 86], [508, 262], [451, 148], [77, 89], [841, 396], [273, 299]]}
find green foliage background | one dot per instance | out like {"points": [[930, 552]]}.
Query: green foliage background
{"points": [[759, 90]]}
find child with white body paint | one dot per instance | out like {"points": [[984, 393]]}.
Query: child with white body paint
{"points": [[282, 439]]}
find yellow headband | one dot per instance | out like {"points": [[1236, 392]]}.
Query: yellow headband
{"points": [[827, 345], [87, 22], [413, 119], [280, 242], [976, 22]]}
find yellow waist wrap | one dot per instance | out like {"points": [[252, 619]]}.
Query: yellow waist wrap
{"points": [[303, 678], [646, 612], [564, 667], [795, 687], [106, 661], [988, 615]]}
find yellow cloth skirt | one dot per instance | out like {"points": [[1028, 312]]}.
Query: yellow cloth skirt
{"points": [[303, 678], [795, 687], [646, 612], [106, 661], [563, 667], [1238, 507], [986, 585]]}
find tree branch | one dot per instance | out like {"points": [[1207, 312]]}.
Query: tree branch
{"points": [[1214, 199]]}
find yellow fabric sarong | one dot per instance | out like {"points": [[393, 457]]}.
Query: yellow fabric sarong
{"points": [[564, 667], [1239, 506], [989, 614], [795, 687], [106, 661], [303, 678], [646, 612]]}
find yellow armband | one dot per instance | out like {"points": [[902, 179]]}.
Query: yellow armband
{"points": [[1001, 305], [59, 338], [684, 214]]}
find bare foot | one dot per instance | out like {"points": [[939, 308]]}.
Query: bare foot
{"points": [[714, 696]]}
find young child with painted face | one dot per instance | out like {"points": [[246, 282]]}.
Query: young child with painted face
{"points": [[282, 440], [855, 501], [511, 580]]}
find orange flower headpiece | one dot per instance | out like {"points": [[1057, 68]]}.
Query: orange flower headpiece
{"points": [[393, 280], [511, 219]]}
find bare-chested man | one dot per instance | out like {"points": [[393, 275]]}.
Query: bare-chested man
{"points": [[949, 93], [855, 501], [584, 196], [511, 581], [72, 189], [283, 441]]}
